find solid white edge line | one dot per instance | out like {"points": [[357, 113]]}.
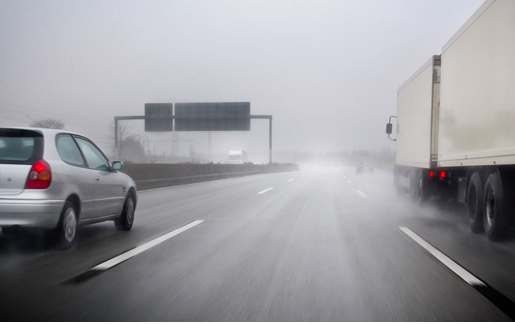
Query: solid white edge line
{"points": [[129, 254], [361, 194], [291, 180], [262, 192], [350, 182], [453, 266]]}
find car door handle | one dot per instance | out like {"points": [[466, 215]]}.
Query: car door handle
{"points": [[97, 178]]}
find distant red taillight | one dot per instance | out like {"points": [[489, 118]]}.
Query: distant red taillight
{"points": [[359, 166], [431, 173], [442, 174], [40, 176], [371, 166]]}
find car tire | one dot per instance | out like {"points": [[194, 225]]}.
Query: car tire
{"points": [[475, 203], [494, 207], [126, 219], [66, 230]]}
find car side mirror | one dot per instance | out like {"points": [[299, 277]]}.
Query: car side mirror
{"points": [[388, 128], [117, 165]]}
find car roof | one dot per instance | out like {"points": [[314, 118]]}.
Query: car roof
{"points": [[45, 131]]}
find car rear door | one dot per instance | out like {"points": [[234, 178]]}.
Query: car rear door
{"points": [[77, 173], [109, 190]]}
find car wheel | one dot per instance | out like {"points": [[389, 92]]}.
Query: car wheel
{"points": [[67, 228], [126, 219], [494, 207], [475, 203]]}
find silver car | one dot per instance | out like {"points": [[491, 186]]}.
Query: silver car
{"points": [[56, 180]]}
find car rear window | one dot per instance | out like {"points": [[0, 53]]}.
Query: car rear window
{"points": [[69, 151], [20, 146]]}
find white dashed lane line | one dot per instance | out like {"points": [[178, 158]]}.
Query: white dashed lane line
{"points": [[350, 182], [453, 266], [262, 192], [291, 180], [93, 272], [504, 303]]}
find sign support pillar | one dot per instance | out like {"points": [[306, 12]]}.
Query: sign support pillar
{"points": [[270, 137]]}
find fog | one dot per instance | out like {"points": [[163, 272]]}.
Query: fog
{"points": [[328, 71]]}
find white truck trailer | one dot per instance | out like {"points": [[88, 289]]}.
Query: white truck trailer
{"points": [[456, 122]]}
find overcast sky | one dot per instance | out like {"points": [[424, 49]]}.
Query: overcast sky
{"points": [[328, 71]]}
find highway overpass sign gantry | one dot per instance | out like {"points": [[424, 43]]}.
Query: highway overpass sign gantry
{"points": [[200, 117]]}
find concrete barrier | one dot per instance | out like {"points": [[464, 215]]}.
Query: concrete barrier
{"points": [[151, 176]]}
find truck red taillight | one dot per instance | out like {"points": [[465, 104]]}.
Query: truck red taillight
{"points": [[40, 176], [430, 173], [442, 174]]}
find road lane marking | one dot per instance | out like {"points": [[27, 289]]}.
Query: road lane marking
{"points": [[453, 266], [505, 304], [303, 175], [291, 180], [345, 177], [131, 253], [262, 192], [350, 182], [361, 193]]}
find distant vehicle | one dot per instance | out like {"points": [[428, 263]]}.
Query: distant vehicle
{"points": [[55, 180], [365, 167], [237, 157], [234, 162], [455, 122]]}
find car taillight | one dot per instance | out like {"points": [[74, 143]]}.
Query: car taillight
{"points": [[40, 176], [442, 175], [359, 166], [371, 166], [430, 173]]}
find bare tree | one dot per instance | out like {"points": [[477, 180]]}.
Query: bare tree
{"points": [[123, 134], [48, 123], [132, 149]]}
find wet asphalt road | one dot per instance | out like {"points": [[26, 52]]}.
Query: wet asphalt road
{"points": [[323, 247]]}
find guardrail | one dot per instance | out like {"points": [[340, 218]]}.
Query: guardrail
{"points": [[151, 176]]}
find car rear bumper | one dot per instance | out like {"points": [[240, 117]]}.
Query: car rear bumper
{"points": [[30, 212]]}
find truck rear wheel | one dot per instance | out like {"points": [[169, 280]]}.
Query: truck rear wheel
{"points": [[494, 207], [475, 203]]}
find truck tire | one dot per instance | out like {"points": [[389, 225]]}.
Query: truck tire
{"points": [[475, 203], [494, 207]]}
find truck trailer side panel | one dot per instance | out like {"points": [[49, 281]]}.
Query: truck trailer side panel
{"points": [[414, 116], [477, 112]]}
